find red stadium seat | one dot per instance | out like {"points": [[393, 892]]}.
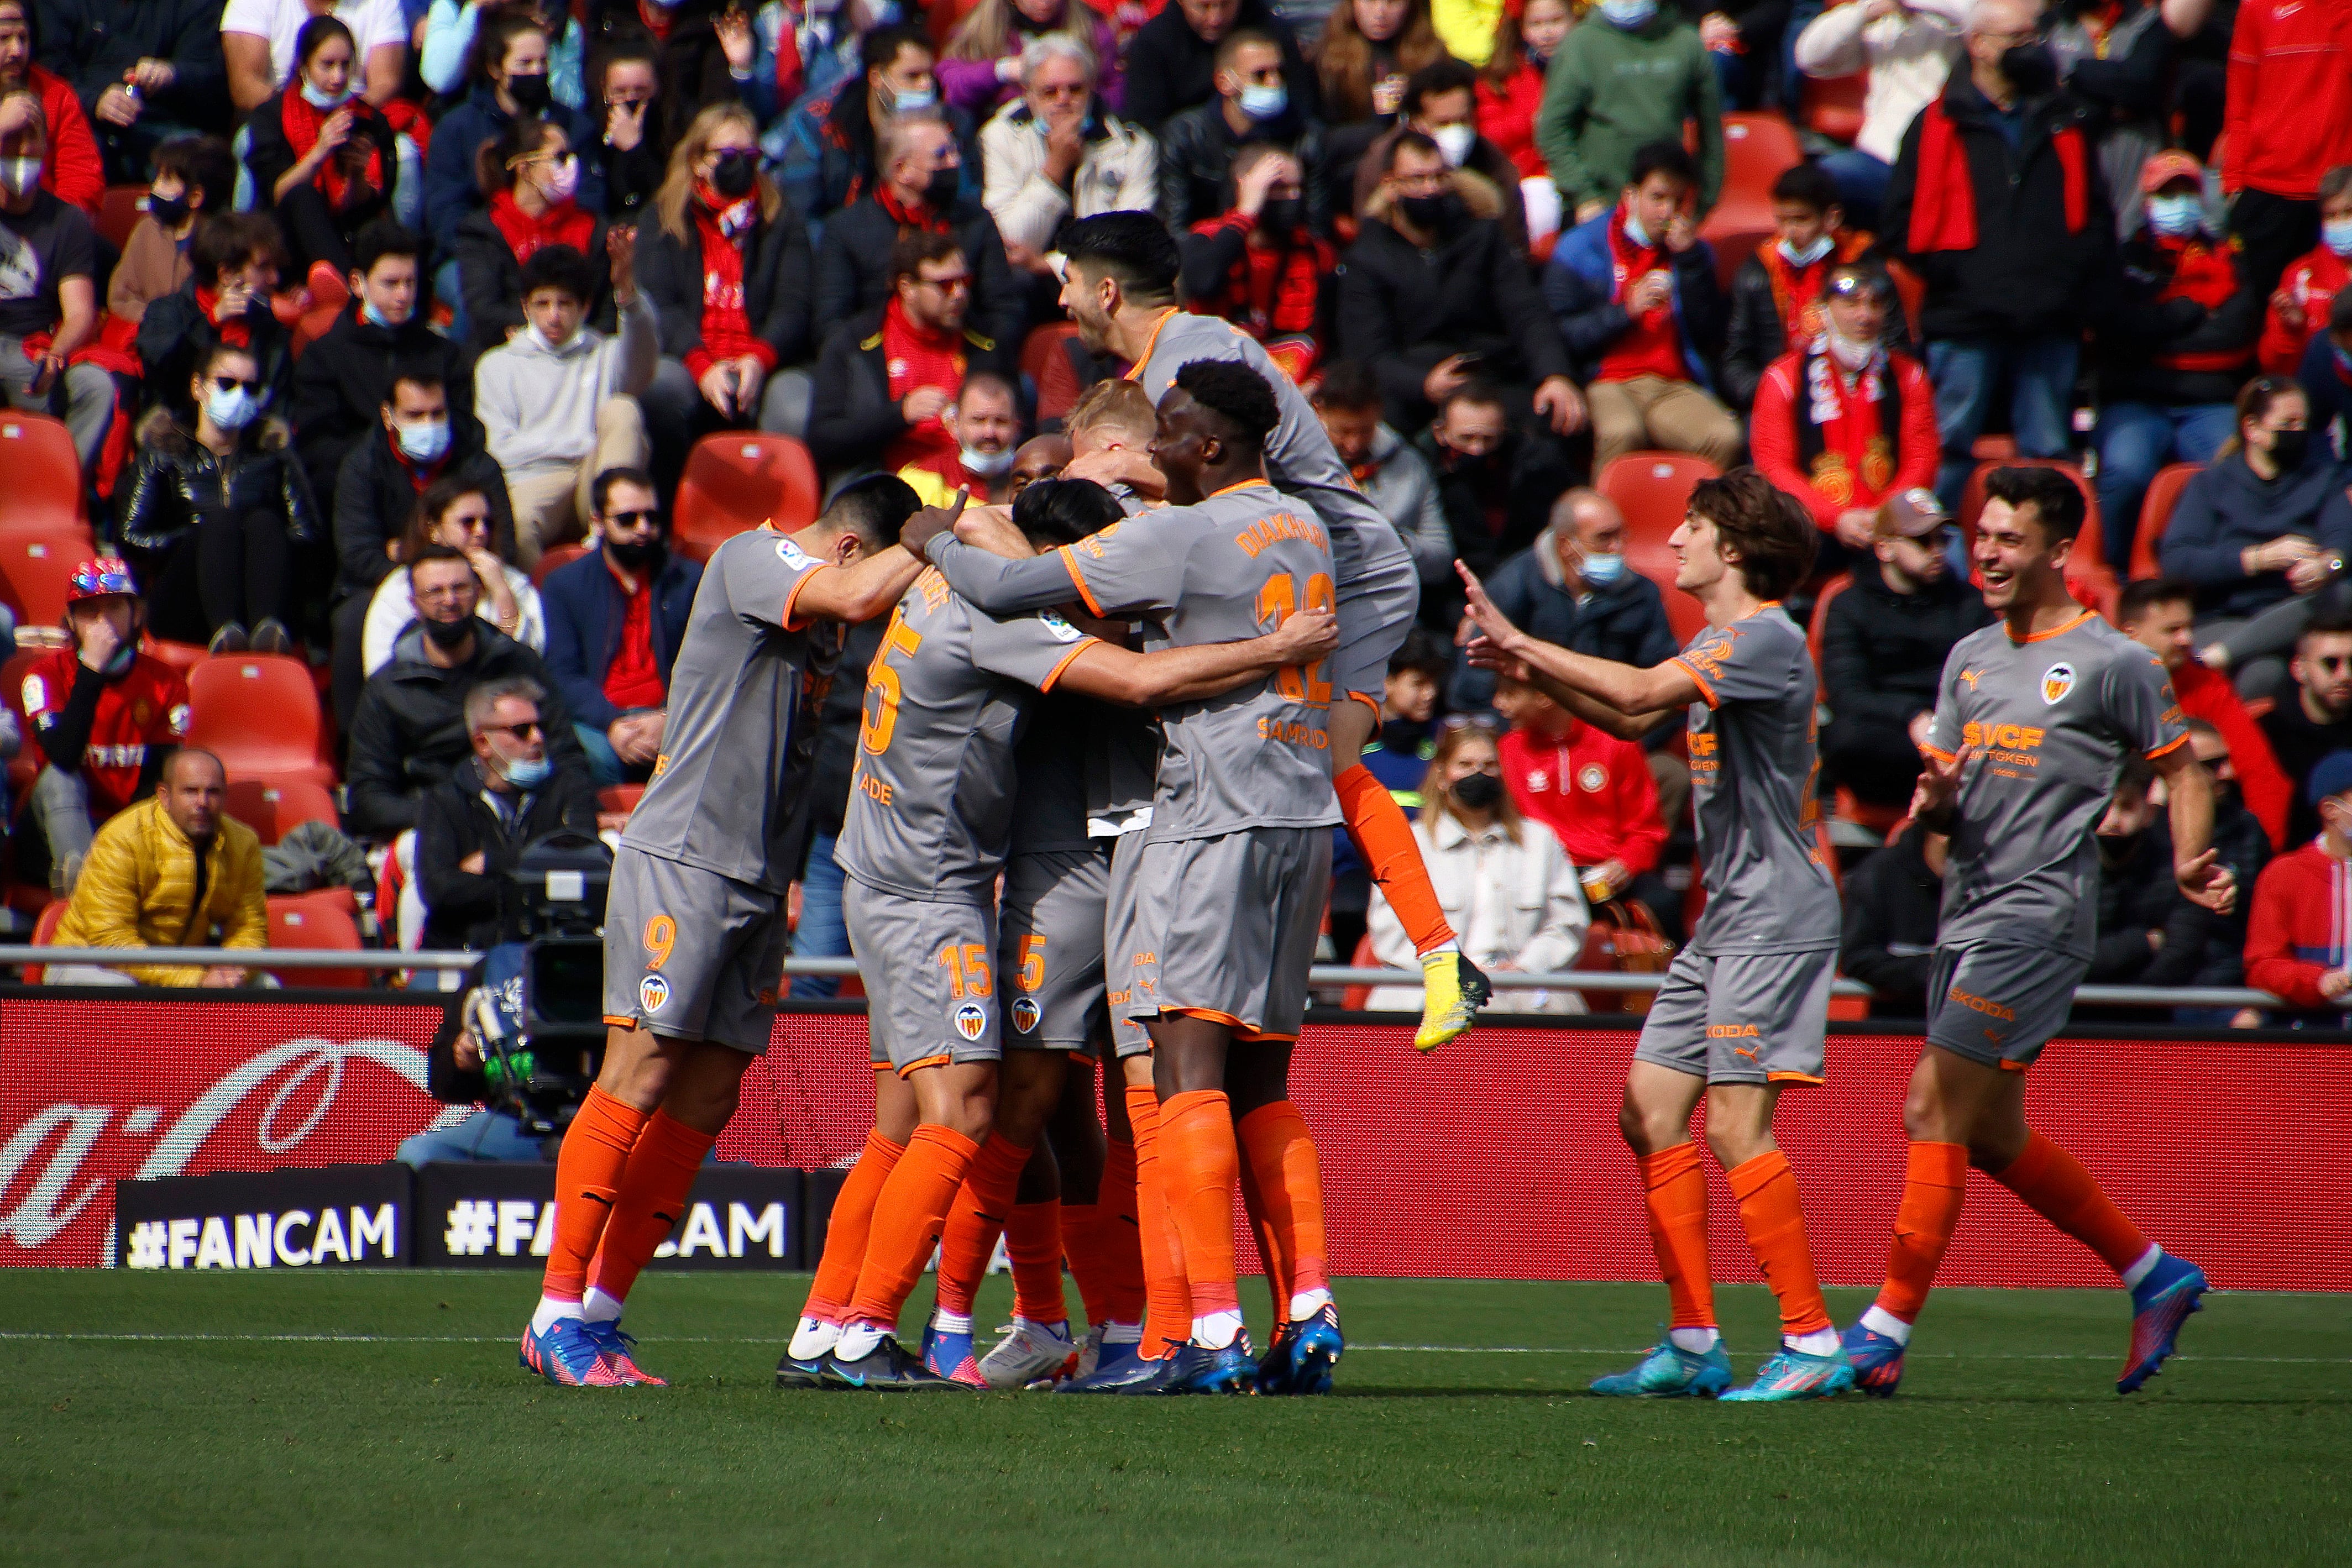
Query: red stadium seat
{"points": [[44, 489], [25, 766], [1758, 149], [1821, 620], [1652, 489], [119, 213], [309, 921], [35, 565], [1831, 106], [44, 934], [1042, 344], [737, 479], [274, 807], [2156, 515], [259, 713], [619, 798], [181, 656], [551, 558]]}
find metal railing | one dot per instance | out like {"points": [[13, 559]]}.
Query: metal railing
{"points": [[1322, 975]]}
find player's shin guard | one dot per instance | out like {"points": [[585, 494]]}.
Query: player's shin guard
{"points": [[1676, 1198], [1934, 1182], [1033, 1240], [1201, 1163], [1278, 1159], [1168, 1294], [2053, 1184], [909, 1215], [982, 1206], [652, 1200], [1377, 825], [1766, 1187], [588, 1175], [847, 1227]]}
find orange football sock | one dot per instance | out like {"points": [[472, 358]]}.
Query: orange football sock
{"points": [[2054, 1185], [1032, 1239], [847, 1227], [1384, 837], [1200, 1163], [1676, 1197], [1168, 1295], [909, 1215], [982, 1208], [1113, 1250], [1267, 1235], [1934, 1182], [588, 1174], [652, 1200], [1766, 1187], [1278, 1150]]}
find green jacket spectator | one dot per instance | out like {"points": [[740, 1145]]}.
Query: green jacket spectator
{"points": [[1614, 87]]}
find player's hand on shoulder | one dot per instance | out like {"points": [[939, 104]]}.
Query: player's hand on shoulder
{"points": [[991, 529], [931, 522]]}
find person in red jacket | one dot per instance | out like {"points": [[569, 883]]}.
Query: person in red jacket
{"points": [[1591, 790], [2287, 119], [2306, 291], [1257, 263], [1842, 422], [76, 175], [2159, 616], [1511, 87], [2299, 931]]}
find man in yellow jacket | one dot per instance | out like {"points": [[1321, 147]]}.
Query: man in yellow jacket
{"points": [[172, 871]]}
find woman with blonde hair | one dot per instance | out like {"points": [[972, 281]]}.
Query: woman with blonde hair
{"points": [[1506, 886], [981, 70], [727, 266]]}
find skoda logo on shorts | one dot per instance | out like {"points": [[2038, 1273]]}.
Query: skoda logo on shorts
{"points": [[971, 1020], [2056, 682], [653, 993], [1024, 1013]]}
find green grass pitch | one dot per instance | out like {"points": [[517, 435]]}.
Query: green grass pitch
{"points": [[353, 1419]]}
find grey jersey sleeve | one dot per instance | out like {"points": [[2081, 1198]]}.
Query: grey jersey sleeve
{"points": [[2139, 700], [1033, 649], [1943, 729], [1735, 664], [762, 584], [996, 585]]}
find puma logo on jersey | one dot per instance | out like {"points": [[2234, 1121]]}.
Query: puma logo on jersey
{"points": [[1971, 677]]}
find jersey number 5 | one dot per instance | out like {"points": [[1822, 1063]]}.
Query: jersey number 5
{"points": [[1277, 602], [882, 687]]}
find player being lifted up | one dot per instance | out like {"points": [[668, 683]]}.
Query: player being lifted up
{"points": [[1234, 865], [929, 819], [694, 927], [2034, 719], [1744, 1006]]}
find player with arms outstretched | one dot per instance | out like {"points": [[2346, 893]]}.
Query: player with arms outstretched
{"points": [[2035, 719], [1744, 1008], [694, 925]]}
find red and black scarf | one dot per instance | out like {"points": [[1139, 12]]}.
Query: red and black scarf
{"points": [[1847, 433], [360, 158]]}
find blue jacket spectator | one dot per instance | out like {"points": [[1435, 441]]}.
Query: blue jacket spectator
{"points": [[2231, 534], [1580, 285], [824, 149], [586, 607]]}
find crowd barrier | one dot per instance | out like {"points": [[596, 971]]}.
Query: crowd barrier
{"points": [[1495, 1157]]}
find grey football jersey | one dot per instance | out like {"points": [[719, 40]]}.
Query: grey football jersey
{"points": [[2052, 720], [1220, 571], [1299, 458], [1754, 767], [744, 695], [932, 797]]}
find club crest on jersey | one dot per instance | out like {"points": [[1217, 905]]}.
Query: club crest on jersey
{"points": [[1592, 778], [1024, 1013], [2056, 682], [1062, 630], [653, 993], [971, 1020]]}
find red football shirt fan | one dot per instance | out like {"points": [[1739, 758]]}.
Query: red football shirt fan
{"points": [[106, 725], [1591, 790]]}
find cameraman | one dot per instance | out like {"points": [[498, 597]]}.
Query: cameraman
{"points": [[454, 1076], [471, 827]]}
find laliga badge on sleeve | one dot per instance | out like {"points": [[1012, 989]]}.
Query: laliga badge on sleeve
{"points": [[1062, 630]]}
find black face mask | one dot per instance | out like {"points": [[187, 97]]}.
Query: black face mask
{"points": [[940, 190], [1479, 791], [170, 212], [1279, 216], [448, 635], [735, 174], [2289, 448], [2031, 68], [532, 94], [636, 556], [1433, 215]]}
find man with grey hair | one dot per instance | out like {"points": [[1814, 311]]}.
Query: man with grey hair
{"points": [[472, 827], [1057, 153]]}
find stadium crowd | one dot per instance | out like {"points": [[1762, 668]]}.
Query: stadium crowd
{"points": [[428, 348]]}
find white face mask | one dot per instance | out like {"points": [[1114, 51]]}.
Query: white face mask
{"points": [[319, 98], [1849, 353], [548, 345], [1455, 141], [985, 465], [1635, 231], [1810, 254]]}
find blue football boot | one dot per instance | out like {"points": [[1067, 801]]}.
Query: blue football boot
{"points": [[2160, 1304], [948, 1353], [565, 1355], [1133, 1373], [1876, 1360], [1197, 1369], [1793, 1375], [1669, 1372], [616, 1348], [1316, 1346]]}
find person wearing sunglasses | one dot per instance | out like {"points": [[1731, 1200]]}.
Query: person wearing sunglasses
{"points": [[2312, 719], [217, 514], [462, 514]]}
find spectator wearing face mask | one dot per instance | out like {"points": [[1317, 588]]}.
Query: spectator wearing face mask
{"points": [[451, 27], [1778, 293], [194, 175], [825, 150], [1173, 60], [233, 271], [50, 305], [1253, 102], [2288, 119], [633, 152], [510, 83], [73, 172], [258, 46], [215, 514], [981, 432], [1495, 486], [1057, 152], [2298, 943], [2300, 308], [1258, 265], [530, 176], [323, 158], [1628, 78], [1907, 50], [1441, 101], [460, 515]]}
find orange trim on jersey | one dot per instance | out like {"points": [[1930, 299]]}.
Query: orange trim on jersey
{"points": [[1135, 370], [939, 1061], [620, 1022], [1706, 691], [1372, 703], [2175, 744], [795, 596], [1056, 673], [2016, 641], [1255, 1035], [1213, 1016], [1792, 1077], [1070, 563], [1239, 484], [2009, 1066], [1936, 752]]}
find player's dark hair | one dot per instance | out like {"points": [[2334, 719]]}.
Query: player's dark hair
{"points": [[874, 509], [1237, 394], [382, 237], [2056, 499], [1662, 158], [880, 50], [916, 246], [1420, 651], [1055, 512], [1774, 536], [1806, 185], [558, 267], [600, 489], [1136, 249], [204, 163], [1348, 385], [2144, 594]]}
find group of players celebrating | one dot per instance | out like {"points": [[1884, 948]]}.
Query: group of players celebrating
{"points": [[1159, 816]]}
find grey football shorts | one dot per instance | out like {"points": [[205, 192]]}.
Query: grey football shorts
{"points": [[930, 970], [692, 954], [1742, 1017], [2000, 1003], [1225, 928], [1049, 948], [1375, 612], [1128, 1037]]}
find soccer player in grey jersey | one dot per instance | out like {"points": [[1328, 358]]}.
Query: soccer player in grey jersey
{"points": [[1744, 1008], [694, 927], [2035, 719]]}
